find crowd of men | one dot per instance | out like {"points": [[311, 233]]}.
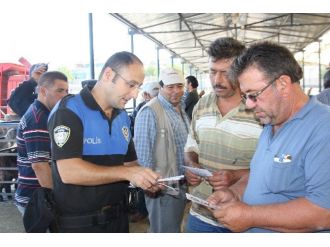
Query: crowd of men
{"points": [[255, 149]]}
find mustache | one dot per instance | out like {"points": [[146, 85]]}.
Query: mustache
{"points": [[219, 86]]}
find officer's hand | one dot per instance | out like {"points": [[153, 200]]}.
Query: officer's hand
{"points": [[144, 178]]}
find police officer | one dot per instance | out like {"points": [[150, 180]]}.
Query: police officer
{"points": [[93, 152]]}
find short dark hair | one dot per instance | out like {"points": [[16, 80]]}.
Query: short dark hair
{"points": [[272, 59], [119, 60], [192, 80], [47, 79], [326, 79], [224, 48]]}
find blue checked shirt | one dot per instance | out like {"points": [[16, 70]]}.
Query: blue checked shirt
{"points": [[145, 129]]}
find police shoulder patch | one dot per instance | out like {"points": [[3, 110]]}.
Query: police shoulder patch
{"points": [[61, 135], [125, 132]]}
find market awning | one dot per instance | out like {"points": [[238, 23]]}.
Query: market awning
{"points": [[188, 35]]}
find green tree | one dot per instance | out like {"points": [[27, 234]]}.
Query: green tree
{"points": [[65, 70], [151, 70]]}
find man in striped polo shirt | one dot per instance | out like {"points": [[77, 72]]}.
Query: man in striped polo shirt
{"points": [[33, 143], [223, 135]]}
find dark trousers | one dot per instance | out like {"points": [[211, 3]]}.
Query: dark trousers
{"points": [[141, 204], [117, 224]]}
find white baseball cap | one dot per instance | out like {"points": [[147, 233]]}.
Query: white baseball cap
{"points": [[171, 76], [149, 86]]}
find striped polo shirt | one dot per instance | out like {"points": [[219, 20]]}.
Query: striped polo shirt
{"points": [[222, 142], [33, 146]]}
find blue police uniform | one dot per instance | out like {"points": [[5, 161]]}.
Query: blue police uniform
{"points": [[80, 129]]}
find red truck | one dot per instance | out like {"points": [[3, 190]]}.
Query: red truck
{"points": [[10, 76]]}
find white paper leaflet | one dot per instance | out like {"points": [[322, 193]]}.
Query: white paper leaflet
{"points": [[200, 201], [199, 171], [161, 180], [169, 179]]}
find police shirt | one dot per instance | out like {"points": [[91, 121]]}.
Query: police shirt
{"points": [[79, 128]]}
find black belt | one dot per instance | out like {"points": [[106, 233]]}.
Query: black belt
{"points": [[101, 217]]}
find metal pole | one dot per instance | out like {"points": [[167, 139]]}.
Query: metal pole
{"points": [[158, 67], [303, 69], [172, 61], [91, 46], [320, 85], [131, 33], [182, 68]]}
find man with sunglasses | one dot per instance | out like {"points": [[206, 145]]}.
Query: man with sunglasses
{"points": [[223, 135], [288, 187], [93, 152]]}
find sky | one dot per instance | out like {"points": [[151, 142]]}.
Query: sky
{"points": [[39, 38], [63, 40], [50, 37]]}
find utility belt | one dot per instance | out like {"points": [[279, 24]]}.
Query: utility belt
{"points": [[103, 216]]}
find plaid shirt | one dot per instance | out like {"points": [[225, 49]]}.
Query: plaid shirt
{"points": [[145, 130]]}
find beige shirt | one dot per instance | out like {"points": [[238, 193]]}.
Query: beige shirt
{"points": [[222, 142]]}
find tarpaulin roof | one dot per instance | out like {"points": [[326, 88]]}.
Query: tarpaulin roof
{"points": [[188, 35]]}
